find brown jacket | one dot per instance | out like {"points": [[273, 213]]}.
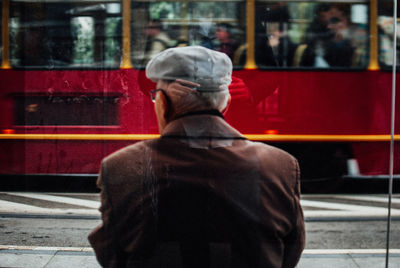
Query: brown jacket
{"points": [[199, 196]]}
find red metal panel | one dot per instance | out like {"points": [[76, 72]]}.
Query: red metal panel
{"points": [[282, 102]]}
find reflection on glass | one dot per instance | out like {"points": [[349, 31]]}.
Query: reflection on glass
{"points": [[215, 25], [65, 34], [113, 33], [336, 36], [222, 10], [83, 33]]}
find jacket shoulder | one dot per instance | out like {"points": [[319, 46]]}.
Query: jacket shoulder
{"points": [[269, 151], [130, 150], [277, 163], [128, 160]]}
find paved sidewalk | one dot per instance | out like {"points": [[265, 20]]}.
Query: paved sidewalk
{"points": [[48, 257]]}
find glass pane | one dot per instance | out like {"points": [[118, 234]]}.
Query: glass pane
{"points": [[83, 33], [113, 47], [1, 35], [216, 25], [319, 35], [65, 34], [385, 31]]}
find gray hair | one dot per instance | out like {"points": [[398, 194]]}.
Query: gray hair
{"points": [[216, 100], [185, 101]]}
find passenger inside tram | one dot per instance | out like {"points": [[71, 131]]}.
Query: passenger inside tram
{"points": [[282, 49], [273, 45], [157, 39], [316, 34], [336, 41], [226, 41], [318, 27]]}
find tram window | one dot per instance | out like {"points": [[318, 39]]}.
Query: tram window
{"points": [[385, 32], [218, 25], [304, 34], [65, 110], [51, 34], [1, 27]]}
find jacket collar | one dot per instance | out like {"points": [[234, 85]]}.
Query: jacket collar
{"points": [[202, 130]]}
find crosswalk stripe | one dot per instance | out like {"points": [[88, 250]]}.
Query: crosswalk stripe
{"points": [[310, 214], [13, 207], [340, 206], [314, 206], [7, 205], [350, 251], [370, 198], [60, 199]]}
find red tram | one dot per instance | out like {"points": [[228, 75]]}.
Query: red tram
{"points": [[312, 77]]}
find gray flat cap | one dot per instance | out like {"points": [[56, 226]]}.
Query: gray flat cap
{"points": [[211, 69]]}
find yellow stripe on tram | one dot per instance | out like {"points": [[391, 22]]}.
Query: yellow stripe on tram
{"points": [[322, 138], [255, 137], [78, 136]]}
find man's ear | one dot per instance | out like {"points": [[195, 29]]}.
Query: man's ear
{"points": [[227, 105], [164, 106], [162, 110]]}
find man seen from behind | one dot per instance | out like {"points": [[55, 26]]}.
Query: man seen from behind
{"points": [[201, 195]]}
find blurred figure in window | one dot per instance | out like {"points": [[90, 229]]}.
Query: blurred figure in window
{"points": [[157, 40], [339, 49], [336, 48], [318, 28], [282, 47], [227, 44], [273, 45], [316, 35], [207, 35]]}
